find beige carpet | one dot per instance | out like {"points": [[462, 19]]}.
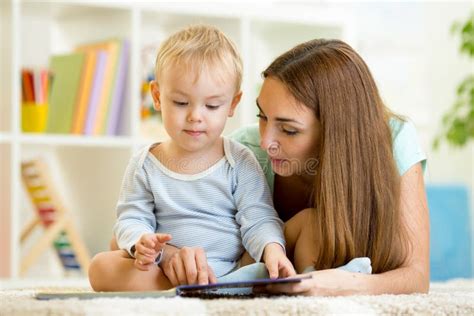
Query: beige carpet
{"points": [[455, 297]]}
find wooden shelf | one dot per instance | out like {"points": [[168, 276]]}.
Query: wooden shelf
{"points": [[75, 140]]}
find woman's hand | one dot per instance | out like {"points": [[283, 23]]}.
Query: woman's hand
{"points": [[188, 265], [332, 282]]}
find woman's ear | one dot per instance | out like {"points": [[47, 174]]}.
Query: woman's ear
{"points": [[155, 93], [234, 103]]}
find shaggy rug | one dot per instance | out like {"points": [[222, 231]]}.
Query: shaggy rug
{"points": [[455, 297]]}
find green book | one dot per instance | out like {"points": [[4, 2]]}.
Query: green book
{"points": [[66, 71]]}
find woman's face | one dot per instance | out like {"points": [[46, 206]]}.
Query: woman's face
{"points": [[289, 130]]}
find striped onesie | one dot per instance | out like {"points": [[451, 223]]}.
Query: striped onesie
{"points": [[225, 209]]}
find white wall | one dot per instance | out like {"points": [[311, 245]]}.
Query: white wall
{"points": [[416, 62], [417, 66]]}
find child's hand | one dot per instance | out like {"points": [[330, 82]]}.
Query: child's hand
{"points": [[188, 265], [278, 265], [147, 249]]}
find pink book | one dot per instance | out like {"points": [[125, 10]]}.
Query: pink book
{"points": [[118, 93], [97, 86]]}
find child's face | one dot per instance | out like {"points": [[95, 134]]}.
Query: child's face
{"points": [[194, 108]]}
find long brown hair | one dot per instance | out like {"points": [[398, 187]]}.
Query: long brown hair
{"points": [[356, 209]]}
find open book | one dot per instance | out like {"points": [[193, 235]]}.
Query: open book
{"points": [[240, 289]]}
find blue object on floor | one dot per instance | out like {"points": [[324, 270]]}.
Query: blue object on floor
{"points": [[451, 236]]}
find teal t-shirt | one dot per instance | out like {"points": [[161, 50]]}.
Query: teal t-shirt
{"points": [[406, 147]]}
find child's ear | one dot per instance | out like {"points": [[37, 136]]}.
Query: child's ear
{"points": [[155, 93], [234, 103]]}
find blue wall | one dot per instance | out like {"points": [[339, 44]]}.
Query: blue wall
{"points": [[451, 236]]}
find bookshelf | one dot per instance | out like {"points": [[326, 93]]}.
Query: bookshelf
{"points": [[89, 169]]}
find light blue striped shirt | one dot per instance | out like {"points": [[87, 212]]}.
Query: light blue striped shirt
{"points": [[224, 209]]}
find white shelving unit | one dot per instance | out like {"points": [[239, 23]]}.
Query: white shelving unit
{"points": [[89, 169]]}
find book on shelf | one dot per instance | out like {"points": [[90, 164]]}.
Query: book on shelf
{"points": [[97, 86], [67, 70], [85, 89], [95, 124], [118, 96], [88, 88]]}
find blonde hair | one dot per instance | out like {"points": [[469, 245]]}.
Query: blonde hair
{"points": [[200, 47]]}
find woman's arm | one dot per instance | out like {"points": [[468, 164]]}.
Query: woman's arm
{"points": [[292, 231], [412, 277]]}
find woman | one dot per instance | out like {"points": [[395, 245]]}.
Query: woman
{"points": [[347, 174]]}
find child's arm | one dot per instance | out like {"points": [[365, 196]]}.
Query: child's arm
{"points": [[258, 220], [274, 257], [135, 206]]}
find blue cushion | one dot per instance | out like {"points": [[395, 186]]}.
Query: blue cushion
{"points": [[451, 237]]}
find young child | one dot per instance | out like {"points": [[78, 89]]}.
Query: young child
{"points": [[197, 189]]}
